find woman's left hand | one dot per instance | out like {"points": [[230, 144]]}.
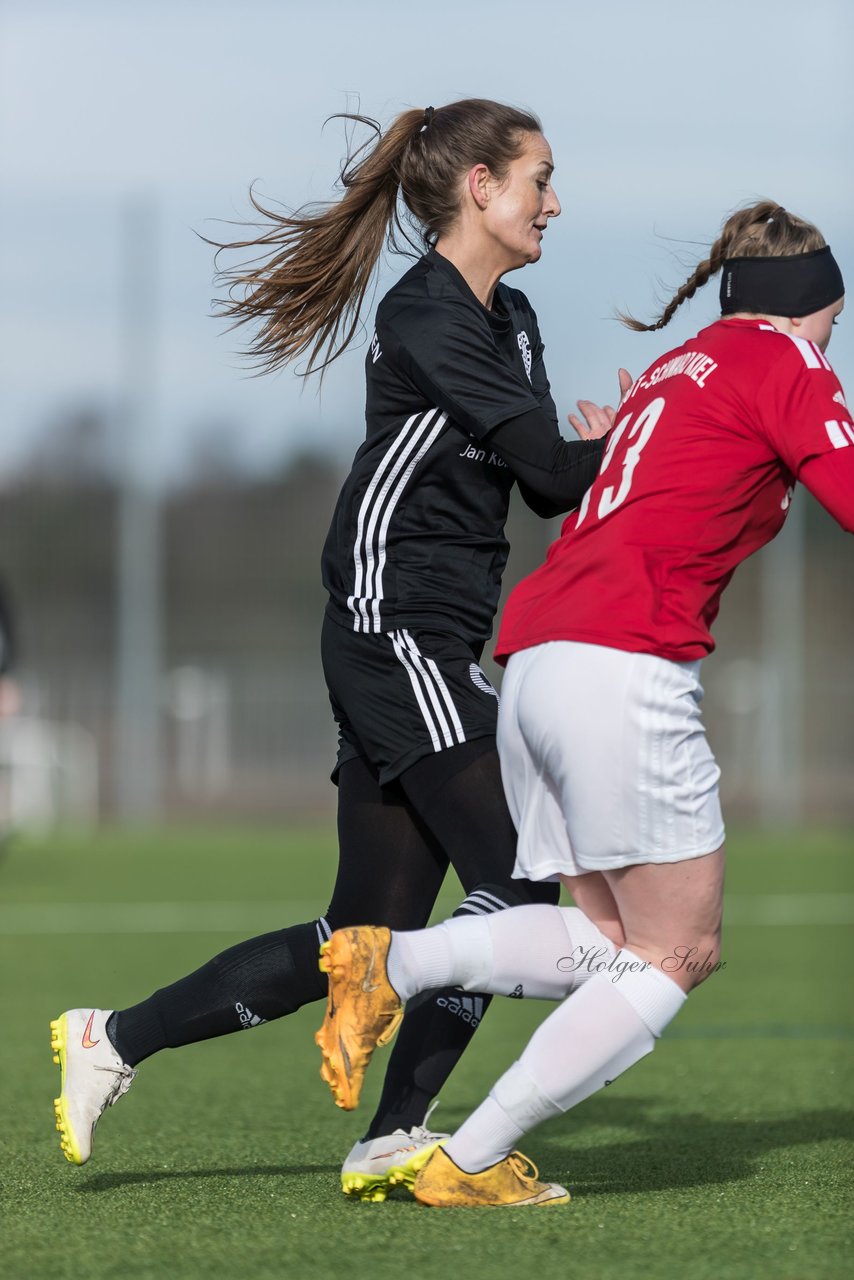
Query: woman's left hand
{"points": [[597, 420]]}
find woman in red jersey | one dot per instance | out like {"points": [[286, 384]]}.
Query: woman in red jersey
{"points": [[609, 778]]}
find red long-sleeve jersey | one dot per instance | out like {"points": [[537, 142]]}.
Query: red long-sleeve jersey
{"points": [[697, 475]]}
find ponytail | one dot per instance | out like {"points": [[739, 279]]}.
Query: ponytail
{"points": [[305, 290]]}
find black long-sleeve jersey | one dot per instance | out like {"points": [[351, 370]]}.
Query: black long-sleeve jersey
{"points": [[417, 538]]}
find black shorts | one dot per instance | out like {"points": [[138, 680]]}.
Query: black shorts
{"points": [[398, 696]]}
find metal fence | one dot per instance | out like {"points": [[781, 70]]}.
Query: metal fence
{"points": [[241, 720]]}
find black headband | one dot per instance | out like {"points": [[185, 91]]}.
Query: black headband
{"points": [[795, 285]]}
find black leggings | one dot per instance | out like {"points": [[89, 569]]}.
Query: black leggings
{"points": [[396, 842]]}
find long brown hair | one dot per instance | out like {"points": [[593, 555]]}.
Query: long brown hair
{"points": [[306, 289], [762, 230]]}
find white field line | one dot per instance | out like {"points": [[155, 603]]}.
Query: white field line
{"points": [[789, 909], [249, 918], [246, 918]]}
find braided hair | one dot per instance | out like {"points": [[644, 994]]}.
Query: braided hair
{"points": [[761, 230]]}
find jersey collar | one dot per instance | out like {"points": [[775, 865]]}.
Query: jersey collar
{"points": [[499, 318]]}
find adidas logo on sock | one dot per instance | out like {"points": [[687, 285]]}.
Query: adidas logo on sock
{"points": [[517, 993], [469, 1008], [247, 1017]]}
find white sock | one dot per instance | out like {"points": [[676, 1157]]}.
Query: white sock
{"points": [[538, 951], [543, 952], [420, 961], [593, 1037]]}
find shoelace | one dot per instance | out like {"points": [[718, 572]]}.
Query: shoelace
{"points": [[524, 1168], [124, 1079], [423, 1132]]}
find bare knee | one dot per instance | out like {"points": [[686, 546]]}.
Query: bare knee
{"points": [[592, 895], [672, 913], [613, 931], [689, 964]]}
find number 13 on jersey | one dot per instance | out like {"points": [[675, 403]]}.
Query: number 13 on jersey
{"points": [[638, 434]]}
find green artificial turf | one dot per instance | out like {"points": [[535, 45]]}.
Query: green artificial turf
{"points": [[726, 1153]]}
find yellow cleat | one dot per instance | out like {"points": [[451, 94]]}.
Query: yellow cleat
{"points": [[363, 1009], [513, 1182]]}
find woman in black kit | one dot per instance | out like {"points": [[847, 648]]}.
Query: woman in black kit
{"points": [[458, 410]]}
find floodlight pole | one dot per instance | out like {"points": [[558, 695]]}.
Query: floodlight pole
{"points": [[138, 587], [781, 717]]}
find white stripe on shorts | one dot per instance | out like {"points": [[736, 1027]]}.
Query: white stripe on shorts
{"points": [[425, 678], [442, 687]]}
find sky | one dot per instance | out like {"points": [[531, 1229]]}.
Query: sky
{"points": [[663, 116]]}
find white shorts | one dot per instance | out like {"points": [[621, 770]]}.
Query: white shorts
{"points": [[605, 760]]}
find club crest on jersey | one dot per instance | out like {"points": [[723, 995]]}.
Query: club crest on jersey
{"points": [[525, 348]]}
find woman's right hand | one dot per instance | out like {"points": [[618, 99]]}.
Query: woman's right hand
{"points": [[597, 420]]}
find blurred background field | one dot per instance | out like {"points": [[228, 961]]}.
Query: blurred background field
{"points": [[725, 1153]]}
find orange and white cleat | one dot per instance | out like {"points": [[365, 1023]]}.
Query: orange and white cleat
{"points": [[363, 1009]]}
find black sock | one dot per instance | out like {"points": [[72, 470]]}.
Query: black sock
{"points": [[254, 982], [433, 1037]]}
